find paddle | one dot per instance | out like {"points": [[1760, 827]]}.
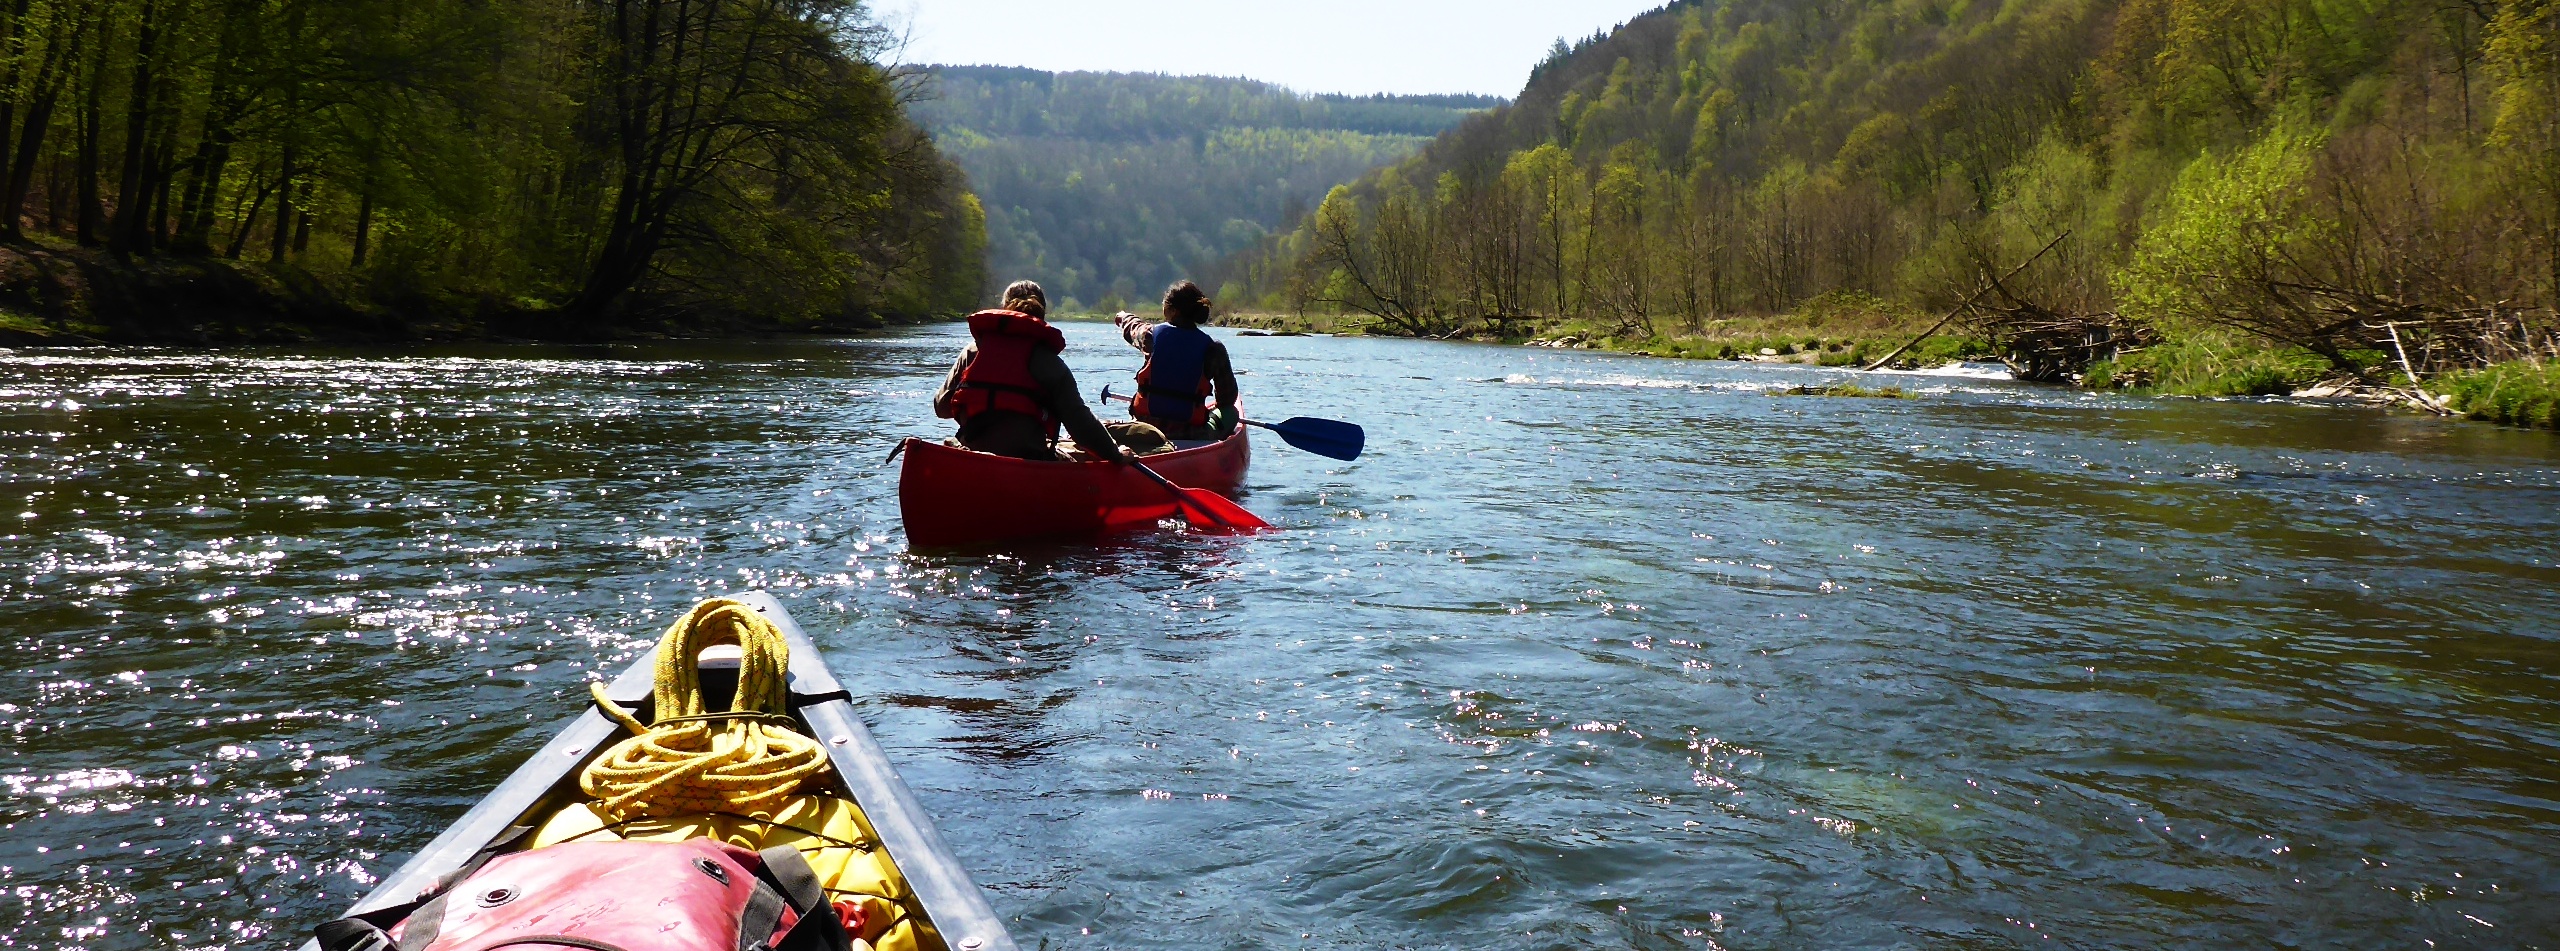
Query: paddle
{"points": [[1205, 510], [1330, 438]]}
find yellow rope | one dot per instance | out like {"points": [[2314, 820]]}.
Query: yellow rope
{"points": [[747, 760]]}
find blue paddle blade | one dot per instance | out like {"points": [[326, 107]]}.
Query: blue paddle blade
{"points": [[1332, 439]]}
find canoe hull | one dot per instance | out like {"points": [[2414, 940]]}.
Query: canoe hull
{"points": [[950, 897], [951, 497]]}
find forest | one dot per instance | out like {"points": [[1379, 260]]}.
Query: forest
{"points": [[2130, 192], [1108, 186], [547, 168]]}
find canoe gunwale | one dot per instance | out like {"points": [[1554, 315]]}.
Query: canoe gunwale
{"points": [[932, 447], [951, 899]]}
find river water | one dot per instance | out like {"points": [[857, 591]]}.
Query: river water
{"points": [[1590, 651]]}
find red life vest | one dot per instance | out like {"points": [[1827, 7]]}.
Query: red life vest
{"points": [[1174, 385], [1000, 377], [694, 895]]}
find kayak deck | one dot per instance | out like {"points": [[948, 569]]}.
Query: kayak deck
{"points": [[865, 833], [949, 496]]}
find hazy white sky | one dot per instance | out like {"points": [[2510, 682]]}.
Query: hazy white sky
{"points": [[1347, 46]]}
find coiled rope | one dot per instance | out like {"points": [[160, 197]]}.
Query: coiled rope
{"points": [[745, 761]]}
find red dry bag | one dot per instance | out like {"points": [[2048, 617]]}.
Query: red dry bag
{"points": [[695, 895]]}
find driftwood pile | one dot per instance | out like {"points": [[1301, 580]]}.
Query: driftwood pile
{"points": [[2041, 345], [2038, 343]]}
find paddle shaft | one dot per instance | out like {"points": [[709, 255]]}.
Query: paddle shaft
{"points": [[1332, 439]]}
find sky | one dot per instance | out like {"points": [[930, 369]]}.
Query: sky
{"points": [[1316, 46]]}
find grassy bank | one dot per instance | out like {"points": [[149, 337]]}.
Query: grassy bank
{"points": [[1848, 330], [2210, 367], [1293, 323], [2517, 394], [1840, 330]]}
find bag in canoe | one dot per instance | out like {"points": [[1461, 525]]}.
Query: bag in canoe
{"points": [[694, 895]]}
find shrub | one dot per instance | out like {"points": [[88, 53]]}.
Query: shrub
{"points": [[2210, 366], [2518, 394]]}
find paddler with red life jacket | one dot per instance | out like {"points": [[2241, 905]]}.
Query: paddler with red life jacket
{"points": [[1010, 391], [1188, 386]]}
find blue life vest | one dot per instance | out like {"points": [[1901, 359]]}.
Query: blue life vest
{"points": [[1174, 385]]}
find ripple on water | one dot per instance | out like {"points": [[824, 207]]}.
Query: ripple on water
{"points": [[1587, 652]]}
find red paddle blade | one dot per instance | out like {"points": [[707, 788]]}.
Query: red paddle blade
{"points": [[1210, 512]]}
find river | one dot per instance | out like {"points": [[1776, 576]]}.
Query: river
{"points": [[1590, 651]]}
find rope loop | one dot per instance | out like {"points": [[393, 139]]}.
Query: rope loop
{"points": [[746, 760]]}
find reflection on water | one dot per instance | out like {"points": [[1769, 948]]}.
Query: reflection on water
{"points": [[1590, 651]]}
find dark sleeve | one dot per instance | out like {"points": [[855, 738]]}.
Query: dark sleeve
{"points": [[951, 382], [1222, 375], [1133, 328], [1058, 385]]}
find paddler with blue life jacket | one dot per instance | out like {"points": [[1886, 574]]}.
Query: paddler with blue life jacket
{"points": [[1010, 391], [1188, 386]]}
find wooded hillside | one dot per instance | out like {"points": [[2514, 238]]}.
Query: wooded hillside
{"points": [[1108, 186], [2319, 174], [558, 167]]}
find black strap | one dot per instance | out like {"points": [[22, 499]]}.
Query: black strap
{"points": [[799, 700], [762, 915], [360, 933], [371, 931], [788, 873]]}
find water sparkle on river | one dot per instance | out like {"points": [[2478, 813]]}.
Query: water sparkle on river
{"points": [[1589, 651]]}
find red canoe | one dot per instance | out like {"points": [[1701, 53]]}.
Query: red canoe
{"points": [[956, 497]]}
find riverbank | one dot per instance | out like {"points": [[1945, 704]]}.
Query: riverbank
{"points": [[1848, 331], [1836, 331], [75, 296], [2517, 394]]}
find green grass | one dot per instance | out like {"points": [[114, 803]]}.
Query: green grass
{"points": [[2210, 367], [2517, 394], [1850, 390], [16, 322]]}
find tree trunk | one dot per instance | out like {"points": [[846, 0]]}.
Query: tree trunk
{"points": [[248, 223], [56, 185], [222, 115], [13, 39], [49, 79], [132, 228], [164, 170], [364, 227], [93, 214], [284, 208]]}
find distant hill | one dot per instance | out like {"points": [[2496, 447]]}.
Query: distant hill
{"points": [[2308, 173], [1108, 186]]}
